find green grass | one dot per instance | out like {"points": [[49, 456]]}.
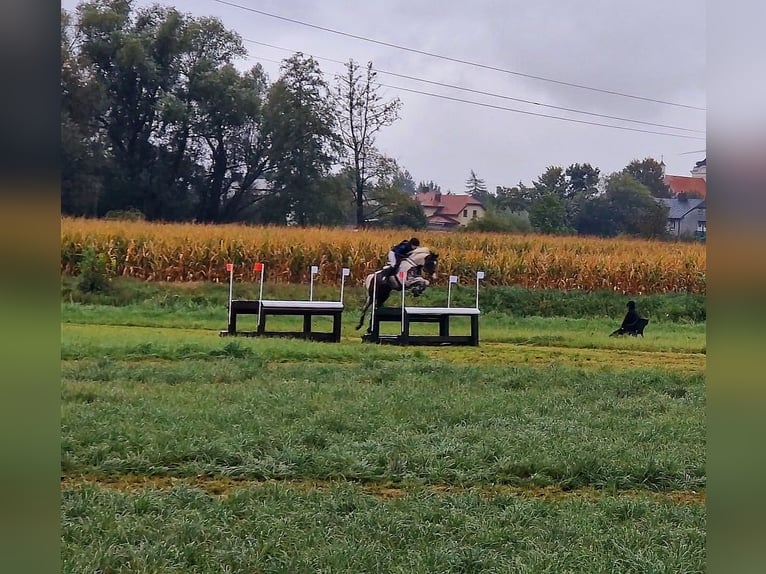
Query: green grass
{"points": [[150, 391], [495, 327], [513, 301], [277, 528], [387, 421]]}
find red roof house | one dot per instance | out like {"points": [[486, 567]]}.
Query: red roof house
{"points": [[679, 183], [448, 211]]}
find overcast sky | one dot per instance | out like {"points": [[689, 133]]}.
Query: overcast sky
{"points": [[652, 49]]}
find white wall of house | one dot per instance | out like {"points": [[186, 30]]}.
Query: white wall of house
{"points": [[691, 223], [699, 171], [470, 213]]}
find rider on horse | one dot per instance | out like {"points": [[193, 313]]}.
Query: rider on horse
{"points": [[397, 253]]}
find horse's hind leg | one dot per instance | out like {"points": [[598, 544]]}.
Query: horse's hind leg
{"points": [[364, 311]]}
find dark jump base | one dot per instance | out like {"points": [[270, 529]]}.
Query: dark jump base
{"points": [[439, 315], [307, 309]]}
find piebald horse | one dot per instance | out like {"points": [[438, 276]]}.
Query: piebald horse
{"points": [[420, 260]]}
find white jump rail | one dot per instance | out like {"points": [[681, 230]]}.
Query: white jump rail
{"points": [[270, 307], [441, 315]]}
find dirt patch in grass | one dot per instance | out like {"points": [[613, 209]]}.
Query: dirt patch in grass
{"points": [[218, 486], [622, 359]]}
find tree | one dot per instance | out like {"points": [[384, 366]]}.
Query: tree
{"points": [[299, 122], [403, 182], [633, 207], [552, 181], [233, 151], [501, 222], [514, 199], [581, 180], [150, 80], [82, 148], [132, 57], [548, 214], [649, 173], [627, 207], [427, 186], [476, 188], [360, 115], [389, 205], [397, 209]]}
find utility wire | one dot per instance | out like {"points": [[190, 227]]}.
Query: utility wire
{"points": [[542, 115], [471, 90], [552, 117], [457, 60]]}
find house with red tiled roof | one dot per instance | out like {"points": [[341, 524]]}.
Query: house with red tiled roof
{"points": [[449, 211], [682, 183], [695, 184], [687, 214]]}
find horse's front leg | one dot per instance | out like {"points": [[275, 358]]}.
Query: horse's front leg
{"points": [[417, 285]]}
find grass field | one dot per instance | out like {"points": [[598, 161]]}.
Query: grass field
{"points": [[549, 448]]}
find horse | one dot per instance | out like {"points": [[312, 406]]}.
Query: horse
{"points": [[421, 258]]}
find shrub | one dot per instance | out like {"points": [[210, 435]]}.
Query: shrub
{"points": [[94, 272]]}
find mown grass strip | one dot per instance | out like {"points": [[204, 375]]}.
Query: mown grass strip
{"points": [[276, 528]]}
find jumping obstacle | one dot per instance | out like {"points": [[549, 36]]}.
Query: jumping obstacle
{"points": [[407, 315], [266, 308]]}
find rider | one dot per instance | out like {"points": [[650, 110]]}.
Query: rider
{"points": [[399, 252]]}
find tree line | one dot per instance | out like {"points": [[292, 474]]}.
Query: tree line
{"points": [[157, 120], [578, 200], [158, 123]]}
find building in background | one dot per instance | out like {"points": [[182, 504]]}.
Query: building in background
{"points": [[449, 211]]}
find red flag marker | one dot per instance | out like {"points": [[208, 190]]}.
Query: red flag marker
{"points": [[230, 267], [401, 274], [258, 267]]}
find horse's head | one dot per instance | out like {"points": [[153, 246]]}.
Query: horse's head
{"points": [[429, 265]]}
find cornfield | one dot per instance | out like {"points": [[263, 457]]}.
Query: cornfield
{"points": [[192, 252]]}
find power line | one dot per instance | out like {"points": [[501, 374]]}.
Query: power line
{"points": [[458, 60], [542, 115], [474, 91], [492, 106]]}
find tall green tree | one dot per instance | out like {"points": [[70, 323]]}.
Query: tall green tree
{"points": [[582, 183], [649, 173], [548, 214], [83, 150], [390, 205], [581, 180], [477, 188], [361, 113], [132, 56], [552, 180], [404, 182], [140, 76], [232, 144], [515, 199], [627, 207], [299, 121]]}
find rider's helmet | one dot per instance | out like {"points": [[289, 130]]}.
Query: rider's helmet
{"points": [[415, 242]]}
